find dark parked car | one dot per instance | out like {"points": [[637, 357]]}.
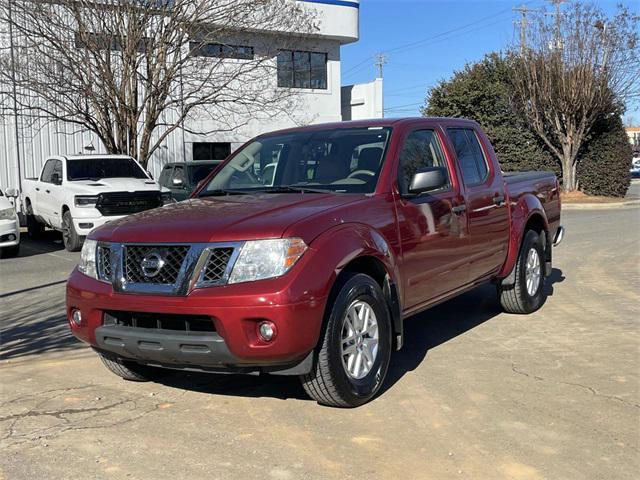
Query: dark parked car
{"points": [[182, 178]]}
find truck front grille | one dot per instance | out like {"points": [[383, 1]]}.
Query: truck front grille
{"points": [[160, 321], [139, 263], [165, 269], [217, 264], [104, 263], [126, 203]]}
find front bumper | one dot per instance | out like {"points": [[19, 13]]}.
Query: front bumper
{"points": [[85, 220], [9, 232], [235, 310]]}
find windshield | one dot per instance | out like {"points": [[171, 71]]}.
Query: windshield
{"points": [[200, 172], [97, 168], [346, 160]]}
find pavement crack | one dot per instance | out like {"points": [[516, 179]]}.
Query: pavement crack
{"points": [[59, 413], [592, 390]]}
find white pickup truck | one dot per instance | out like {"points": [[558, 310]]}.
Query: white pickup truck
{"points": [[75, 194]]}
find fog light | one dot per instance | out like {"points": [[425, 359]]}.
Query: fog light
{"points": [[267, 331], [77, 317], [12, 237]]}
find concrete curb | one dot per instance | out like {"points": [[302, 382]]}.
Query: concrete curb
{"points": [[599, 206]]}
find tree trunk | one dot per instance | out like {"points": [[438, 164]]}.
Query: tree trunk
{"points": [[568, 173]]}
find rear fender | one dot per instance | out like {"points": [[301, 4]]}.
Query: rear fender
{"points": [[522, 212]]}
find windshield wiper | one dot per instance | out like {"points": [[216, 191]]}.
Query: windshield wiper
{"points": [[93, 179], [290, 189], [222, 192]]}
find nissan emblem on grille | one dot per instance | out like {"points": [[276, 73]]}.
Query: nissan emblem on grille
{"points": [[151, 264]]}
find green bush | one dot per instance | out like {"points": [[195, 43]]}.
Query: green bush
{"points": [[604, 167]]}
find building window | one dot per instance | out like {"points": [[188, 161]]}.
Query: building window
{"points": [[220, 50], [302, 69], [211, 151]]}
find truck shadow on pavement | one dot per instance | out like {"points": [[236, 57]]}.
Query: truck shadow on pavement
{"points": [[423, 332], [49, 242]]}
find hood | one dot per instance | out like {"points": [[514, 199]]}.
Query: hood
{"points": [[115, 185], [221, 219]]}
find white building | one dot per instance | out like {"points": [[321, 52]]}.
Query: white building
{"points": [[318, 98]]}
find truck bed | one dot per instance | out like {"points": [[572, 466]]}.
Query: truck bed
{"points": [[533, 176]]}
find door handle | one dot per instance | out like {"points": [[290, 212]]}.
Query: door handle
{"points": [[37, 189], [498, 200], [48, 191], [458, 209]]}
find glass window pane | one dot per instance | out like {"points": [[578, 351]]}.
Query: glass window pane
{"points": [[319, 70], [464, 153], [302, 70], [421, 150], [285, 69], [47, 171], [476, 150]]}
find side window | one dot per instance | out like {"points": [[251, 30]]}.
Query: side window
{"points": [[165, 175], [421, 149], [47, 171], [470, 157], [57, 171]]}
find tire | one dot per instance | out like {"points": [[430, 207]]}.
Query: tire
{"points": [[34, 228], [132, 371], [330, 382], [72, 241], [10, 252], [522, 297]]}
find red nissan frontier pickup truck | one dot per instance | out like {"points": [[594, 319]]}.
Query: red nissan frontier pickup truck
{"points": [[306, 249]]}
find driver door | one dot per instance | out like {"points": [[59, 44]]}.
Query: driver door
{"points": [[433, 231]]}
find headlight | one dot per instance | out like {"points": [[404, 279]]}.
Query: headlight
{"points": [[7, 214], [167, 198], [262, 259], [87, 263], [85, 200]]}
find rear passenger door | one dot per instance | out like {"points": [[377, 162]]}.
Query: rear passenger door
{"points": [[486, 210], [434, 258]]}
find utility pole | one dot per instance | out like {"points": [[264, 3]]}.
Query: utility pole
{"points": [[523, 11], [558, 15], [381, 60]]}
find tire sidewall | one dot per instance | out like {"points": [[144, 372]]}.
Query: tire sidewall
{"points": [[364, 288], [531, 240], [74, 243]]}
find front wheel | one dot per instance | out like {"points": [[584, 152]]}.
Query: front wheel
{"points": [[131, 371], [354, 353], [72, 241], [527, 294]]}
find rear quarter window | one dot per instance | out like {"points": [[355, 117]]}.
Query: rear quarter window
{"points": [[471, 159]]}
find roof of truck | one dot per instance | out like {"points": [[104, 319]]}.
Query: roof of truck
{"points": [[374, 122], [91, 156]]}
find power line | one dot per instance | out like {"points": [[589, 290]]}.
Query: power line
{"points": [[424, 40]]}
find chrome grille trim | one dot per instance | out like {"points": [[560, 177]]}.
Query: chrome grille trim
{"points": [[103, 263], [190, 274]]}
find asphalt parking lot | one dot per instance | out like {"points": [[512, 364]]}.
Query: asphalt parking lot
{"points": [[474, 394]]}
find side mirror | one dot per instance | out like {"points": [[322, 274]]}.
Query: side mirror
{"points": [[12, 193], [177, 182], [430, 178], [55, 179]]}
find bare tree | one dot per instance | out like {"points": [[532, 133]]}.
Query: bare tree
{"points": [[575, 69], [132, 71]]}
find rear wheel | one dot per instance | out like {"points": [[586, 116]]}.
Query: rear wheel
{"points": [[129, 370], [72, 241], [355, 349], [527, 294]]}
